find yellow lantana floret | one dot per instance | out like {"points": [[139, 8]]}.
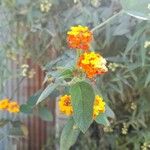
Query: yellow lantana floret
{"points": [[99, 106], [65, 105], [13, 107], [4, 103], [77, 29]]}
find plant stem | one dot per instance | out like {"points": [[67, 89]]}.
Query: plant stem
{"points": [[108, 20], [77, 57]]}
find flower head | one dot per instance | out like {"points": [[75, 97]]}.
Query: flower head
{"points": [[13, 107], [145, 146], [45, 6], [99, 106], [4, 103], [92, 64], [79, 37], [147, 44], [65, 105], [125, 128], [113, 66]]}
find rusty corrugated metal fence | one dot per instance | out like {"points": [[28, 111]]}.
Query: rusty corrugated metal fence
{"points": [[37, 128]]}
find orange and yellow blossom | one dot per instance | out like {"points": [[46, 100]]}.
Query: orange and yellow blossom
{"points": [[99, 106], [13, 107], [79, 37], [4, 103], [65, 105], [92, 64]]}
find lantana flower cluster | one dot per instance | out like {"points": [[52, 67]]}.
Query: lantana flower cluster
{"points": [[79, 37], [66, 108], [10, 106], [90, 63]]}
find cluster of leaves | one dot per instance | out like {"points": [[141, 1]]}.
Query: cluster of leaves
{"points": [[82, 92], [128, 90], [127, 87], [41, 36], [127, 93]]}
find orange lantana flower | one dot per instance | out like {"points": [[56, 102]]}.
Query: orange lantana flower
{"points": [[92, 64], [4, 103], [13, 107], [79, 37]]}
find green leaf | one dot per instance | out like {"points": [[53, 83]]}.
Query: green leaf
{"points": [[69, 135], [45, 114], [133, 66], [33, 99], [102, 119], [136, 8], [109, 112], [134, 39], [122, 29], [66, 74], [49, 89], [82, 95], [24, 108]]}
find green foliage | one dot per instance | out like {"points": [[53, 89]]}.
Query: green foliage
{"points": [[40, 110], [33, 99], [109, 112], [137, 8], [82, 101], [66, 74], [127, 91], [45, 114], [41, 37], [48, 90], [102, 119], [29, 106], [24, 108], [69, 135]]}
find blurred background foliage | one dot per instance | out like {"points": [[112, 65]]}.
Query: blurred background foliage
{"points": [[37, 31]]}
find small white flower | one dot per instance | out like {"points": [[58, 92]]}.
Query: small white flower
{"points": [[147, 44]]}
